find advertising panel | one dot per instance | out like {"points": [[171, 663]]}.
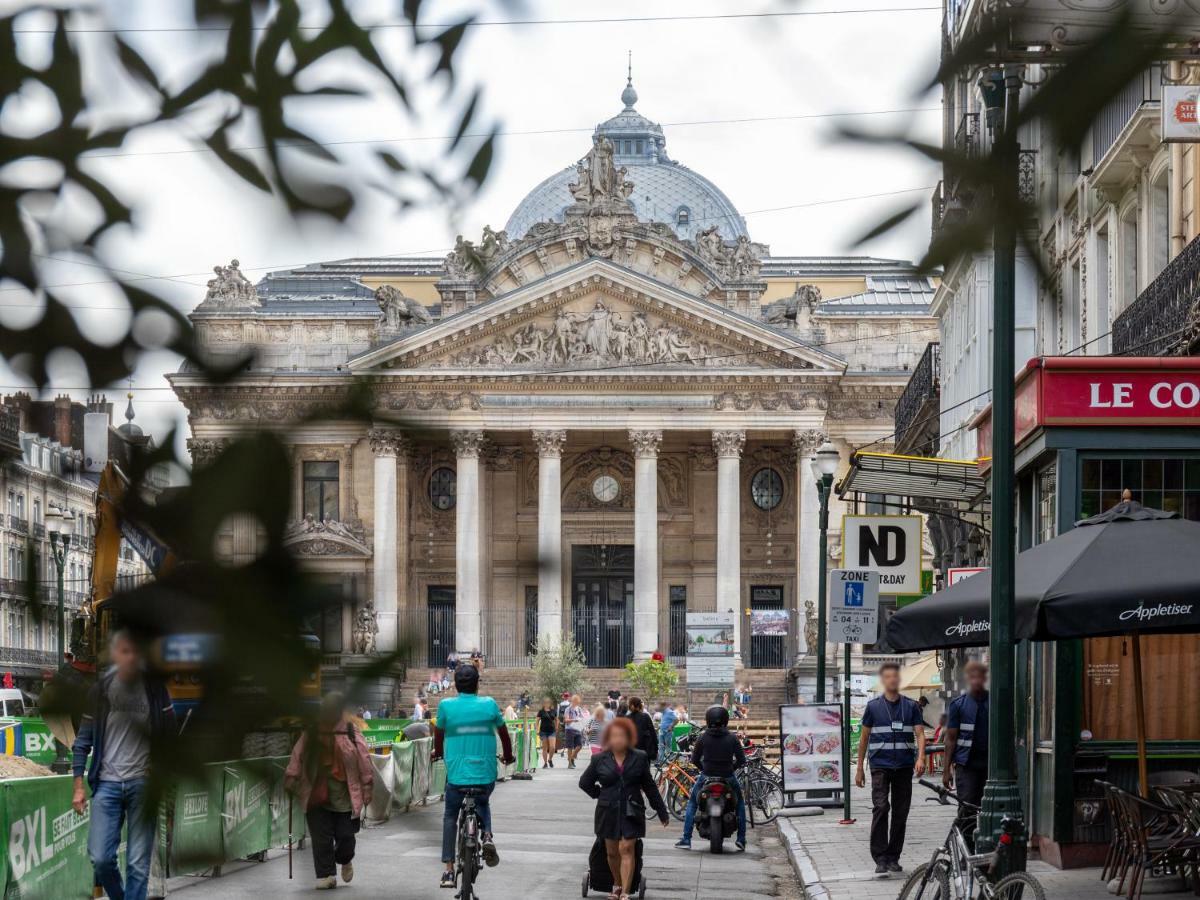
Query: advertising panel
{"points": [[811, 741], [710, 659]]}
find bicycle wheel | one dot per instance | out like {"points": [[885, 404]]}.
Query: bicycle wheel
{"points": [[1018, 886], [934, 887], [466, 877], [677, 802], [766, 795]]}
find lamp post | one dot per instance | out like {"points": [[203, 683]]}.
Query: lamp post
{"points": [[60, 525], [824, 466]]}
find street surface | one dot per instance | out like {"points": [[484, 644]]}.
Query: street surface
{"points": [[543, 831]]}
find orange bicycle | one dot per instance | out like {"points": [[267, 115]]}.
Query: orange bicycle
{"points": [[676, 778]]}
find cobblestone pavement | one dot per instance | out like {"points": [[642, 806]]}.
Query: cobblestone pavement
{"points": [[840, 865], [543, 831]]}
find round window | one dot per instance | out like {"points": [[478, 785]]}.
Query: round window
{"points": [[442, 488], [766, 489]]}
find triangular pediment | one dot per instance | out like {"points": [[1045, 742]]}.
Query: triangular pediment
{"points": [[598, 316]]}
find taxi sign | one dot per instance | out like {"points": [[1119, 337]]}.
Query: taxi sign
{"points": [[853, 606]]}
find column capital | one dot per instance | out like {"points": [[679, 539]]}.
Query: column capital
{"points": [[646, 443], [549, 443], [467, 444], [728, 444], [806, 442], [388, 442], [205, 450]]}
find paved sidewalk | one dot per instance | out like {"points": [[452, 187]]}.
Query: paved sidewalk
{"points": [[543, 832], [839, 864]]}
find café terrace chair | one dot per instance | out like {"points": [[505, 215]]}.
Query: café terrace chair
{"points": [[1153, 836]]}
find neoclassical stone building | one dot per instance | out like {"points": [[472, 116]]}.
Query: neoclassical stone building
{"points": [[586, 423]]}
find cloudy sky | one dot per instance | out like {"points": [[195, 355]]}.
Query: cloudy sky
{"points": [[545, 86]]}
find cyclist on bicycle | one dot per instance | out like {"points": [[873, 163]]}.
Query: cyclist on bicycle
{"points": [[717, 754], [465, 736]]}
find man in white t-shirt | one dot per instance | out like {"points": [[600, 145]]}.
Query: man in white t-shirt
{"points": [[576, 718]]}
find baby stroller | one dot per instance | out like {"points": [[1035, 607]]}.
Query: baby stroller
{"points": [[599, 878]]}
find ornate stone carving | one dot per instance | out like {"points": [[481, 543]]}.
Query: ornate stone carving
{"points": [[843, 408], [646, 443], [493, 244], [793, 310], [427, 400], [808, 441], [740, 261], [702, 457], [597, 179], [468, 444], [771, 400], [387, 442], [399, 311], [366, 628], [503, 457], [231, 288], [549, 443], [462, 261], [309, 537], [728, 444], [810, 628], [205, 450]]}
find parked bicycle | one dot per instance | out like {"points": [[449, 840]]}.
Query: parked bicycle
{"points": [[955, 873], [468, 855]]}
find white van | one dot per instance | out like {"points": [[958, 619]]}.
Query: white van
{"points": [[12, 702]]}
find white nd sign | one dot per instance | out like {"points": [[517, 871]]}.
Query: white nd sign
{"points": [[853, 606], [889, 545]]}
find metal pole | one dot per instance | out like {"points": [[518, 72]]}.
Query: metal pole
{"points": [[60, 565], [823, 488], [846, 735], [1001, 797]]}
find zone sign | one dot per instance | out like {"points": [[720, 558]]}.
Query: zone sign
{"points": [[889, 545]]}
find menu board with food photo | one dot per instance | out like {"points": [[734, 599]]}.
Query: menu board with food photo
{"points": [[811, 738]]}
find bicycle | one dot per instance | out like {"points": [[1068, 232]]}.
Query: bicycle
{"points": [[675, 780], [468, 854], [955, 873]]}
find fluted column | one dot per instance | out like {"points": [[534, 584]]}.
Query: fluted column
{"points": [[386, 444], [728, 447], [550, 600], [468, 445], [806, 443], [645, 541]]}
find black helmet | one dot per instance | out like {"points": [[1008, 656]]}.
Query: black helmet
{"points": [[716, 717], [466, 679]]}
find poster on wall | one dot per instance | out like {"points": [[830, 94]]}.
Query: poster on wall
{"points": [[811, 738], [710, 659], [769, 622]]}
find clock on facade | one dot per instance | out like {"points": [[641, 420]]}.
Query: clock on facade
{"points": [[605, 489], [442, 488], [766, 489]]}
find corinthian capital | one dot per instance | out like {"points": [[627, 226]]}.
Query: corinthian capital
{"points": [[549, 443], [205, 450], [807, 442], [645, 443], [387, 441], [467, 444], [728, 444]]}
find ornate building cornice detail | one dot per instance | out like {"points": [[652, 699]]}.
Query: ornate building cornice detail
{"points": [[771, 400], [388, 442], [427, 400], [309, 537], [729, 444], [468, 444], [646, 443], [865, 407], [550, 443], [205, 450], [805, 443]]}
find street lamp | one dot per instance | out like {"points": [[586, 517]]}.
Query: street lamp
{"points": [[824, 466], [60, 526]]}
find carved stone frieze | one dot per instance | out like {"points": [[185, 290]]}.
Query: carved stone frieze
{"points": [[864, 408], [770, 400], [427, 400], [310, 537]]}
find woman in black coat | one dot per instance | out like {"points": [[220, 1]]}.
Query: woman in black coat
{"points": [[647, 736], [619, 779]]}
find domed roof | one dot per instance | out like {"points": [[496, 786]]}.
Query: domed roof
{"points": [[663, 190]]}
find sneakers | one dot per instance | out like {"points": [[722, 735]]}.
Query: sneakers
{"points": [[326, 884], [741, 846], [895, 867], [683, 844], [447, 880], [490, 856], [881, 868], [348, 872]]}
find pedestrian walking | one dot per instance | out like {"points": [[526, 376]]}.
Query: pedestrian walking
{"points": [[547, 718], [573, 733], [330, 773], [620, 781], [666, 726], [894, 740], [966, 735], [601, 716], [128, 712], [647, 740]]}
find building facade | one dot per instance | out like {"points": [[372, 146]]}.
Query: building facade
{"points": [[586, 424]]}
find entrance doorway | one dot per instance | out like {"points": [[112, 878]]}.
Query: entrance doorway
{"points": [[439, 631], [768, 651], [602, 603]]}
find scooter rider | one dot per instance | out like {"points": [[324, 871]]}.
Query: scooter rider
{"points": [[717, 754]]}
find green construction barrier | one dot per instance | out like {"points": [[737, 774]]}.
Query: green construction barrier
{"points": [[402, 753], [287, 819], [195, 828], [47, 840], [246, 813], [37, 741], [421, 768], [381, 733]]}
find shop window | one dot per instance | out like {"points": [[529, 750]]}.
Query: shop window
{"points": [[1047, 506], [321, 490], [1171, 484]]}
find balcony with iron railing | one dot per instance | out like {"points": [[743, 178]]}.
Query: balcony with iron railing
{"points": [[18, 524], [10, 433], [953, 196], [1165, 318], [15, 657], [916, 420]]}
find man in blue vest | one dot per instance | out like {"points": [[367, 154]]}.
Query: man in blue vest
{"points": [[967, 744], [894, 741]]}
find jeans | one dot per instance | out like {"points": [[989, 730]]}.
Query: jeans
{"points": [[453, 803], [891, 791], [689, 816], [114, 804], [664, 742], [332, 836], [968, 784]]}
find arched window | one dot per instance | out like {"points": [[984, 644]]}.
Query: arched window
{"points": [[683, 216]]}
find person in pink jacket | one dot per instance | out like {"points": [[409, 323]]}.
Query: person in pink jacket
{"points": [[330, 773]]}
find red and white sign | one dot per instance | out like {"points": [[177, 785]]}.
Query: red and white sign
{"points": [[955, 575], [1180, 122]]}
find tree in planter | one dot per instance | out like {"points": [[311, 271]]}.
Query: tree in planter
{"points": [[652, 679], [558, 668]]}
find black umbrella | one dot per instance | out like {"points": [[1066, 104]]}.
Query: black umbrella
{"points": [[1130, 570]]}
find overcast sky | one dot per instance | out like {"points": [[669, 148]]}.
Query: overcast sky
{"points": [[560, 79]]}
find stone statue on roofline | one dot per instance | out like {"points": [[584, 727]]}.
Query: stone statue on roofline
{"points": [[231, 288], [399, 311]]}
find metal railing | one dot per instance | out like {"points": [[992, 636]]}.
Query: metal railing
{"points": [[1115, 115], [16, 523], [16, 587], [10, 432], [966, 136], [776, 642], [1165, 318], [23, 656], [920, 395]]}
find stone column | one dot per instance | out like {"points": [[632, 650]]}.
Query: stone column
{"points": [[806, 443], [728, 447], [550, 600], [387, 444], [468, 445], [645, 541]]}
